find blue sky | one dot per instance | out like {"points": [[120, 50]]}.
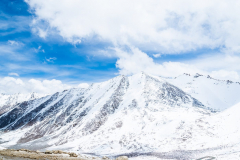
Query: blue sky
{"points": [[29, 55], [70, 63], [78, 41]]}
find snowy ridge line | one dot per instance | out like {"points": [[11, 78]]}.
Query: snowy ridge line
{"points": [[7, 102], [208, 76], [31, 103], [136, 114], [216, 94]]}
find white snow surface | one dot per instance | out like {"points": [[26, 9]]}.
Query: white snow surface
{"points": [[127, 115], [213, 93]]}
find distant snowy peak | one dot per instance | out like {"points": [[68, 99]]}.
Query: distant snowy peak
{"points": [[7, 101], [208, 76], [213, 93], [20, 97], [157, 90]]}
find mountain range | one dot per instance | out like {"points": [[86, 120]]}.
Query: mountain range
{"points": [[185, 117], [7, 101]]}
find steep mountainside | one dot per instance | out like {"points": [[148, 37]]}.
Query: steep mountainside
{"points": [[125, 113], [140, 113], [213, 93], [9, 101]]}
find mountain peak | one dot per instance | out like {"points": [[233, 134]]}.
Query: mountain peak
{"points": [[197, 75], [213, 93], [113, 113]]}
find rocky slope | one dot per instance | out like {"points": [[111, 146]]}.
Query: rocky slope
{"points": [[135, 114], [7, 102]]}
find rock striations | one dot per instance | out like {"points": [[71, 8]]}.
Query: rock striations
{"points": [[139, 113]]}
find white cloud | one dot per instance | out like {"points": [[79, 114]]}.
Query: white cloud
{"points": [[13, 42], [11, 51], [51, 59], [223, 74], [135, 61], [10, 85], [161, 26], [42, 33], [48, 86], [83, 85], [13, 74], [168, 26], [157, 55], [39, 49]]}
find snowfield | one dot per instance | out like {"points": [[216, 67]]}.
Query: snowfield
{"points": [[213, 93], [142, 116]]}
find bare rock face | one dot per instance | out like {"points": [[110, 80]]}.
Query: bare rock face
{"points": [[8, 101], [58, 152], [48, 152], [122, 158], [49, 155], [73, 155]]}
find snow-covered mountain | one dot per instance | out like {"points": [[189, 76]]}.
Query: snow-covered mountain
{"points": [[139, 113], [213, 93], [8, 101]]}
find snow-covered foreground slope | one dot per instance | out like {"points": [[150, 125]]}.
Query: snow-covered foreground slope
{"points": [[216, 136], [213, 93], [125, 115], [226, 126]]}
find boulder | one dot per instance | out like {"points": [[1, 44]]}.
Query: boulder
{"points": [[122, 158], [48, 152], [72, 154]]}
